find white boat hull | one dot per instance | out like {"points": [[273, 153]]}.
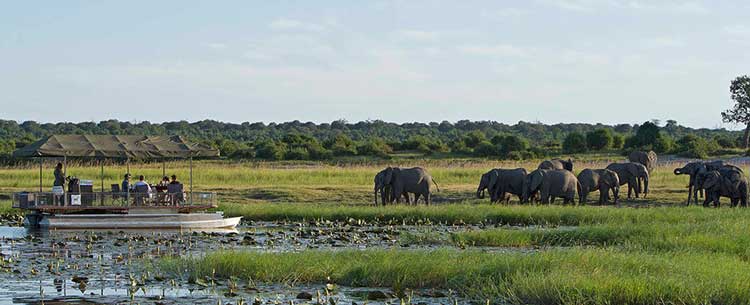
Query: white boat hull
{"points": [[176, 221]]}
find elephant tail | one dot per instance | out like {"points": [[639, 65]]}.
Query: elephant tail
{"points": [[436, 185]]}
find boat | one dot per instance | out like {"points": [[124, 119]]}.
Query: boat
{"points": [[79, 207]]}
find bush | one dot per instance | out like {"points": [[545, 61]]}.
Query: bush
{"points": [[724, 141], [474, 138], [297, 153], [617, 141], [574, 143], [599, 139], [375, 147], [512, 143], [691, 146], [486, 149], [342, 145], [270, 150]]}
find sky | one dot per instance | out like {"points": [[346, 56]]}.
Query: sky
{"points": [[606, 61]]}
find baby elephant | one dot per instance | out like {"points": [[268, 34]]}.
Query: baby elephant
{"points": [[602, 180], [726, 183]]}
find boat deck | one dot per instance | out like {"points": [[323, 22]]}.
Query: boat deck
{"points": [[109, 202]]}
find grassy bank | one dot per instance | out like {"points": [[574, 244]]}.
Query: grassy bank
{"points": [[252, 182], [578, 276], [521, 215]]}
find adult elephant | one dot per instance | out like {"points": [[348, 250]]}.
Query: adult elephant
{"points": [[414, 180], [501, 182], [551, 183], [385, 190], [602, 180], [723, 183], [632, 173], [648, 159], [556, 164], [696, 168]]}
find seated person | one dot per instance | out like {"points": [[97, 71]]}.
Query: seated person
{"points": [[142, 184], [174, 180]]}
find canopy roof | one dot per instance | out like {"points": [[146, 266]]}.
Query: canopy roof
{"points": [[111, 146]]}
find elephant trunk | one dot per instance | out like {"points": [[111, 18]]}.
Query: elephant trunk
{"points": [[678, 171], [480, 193]]}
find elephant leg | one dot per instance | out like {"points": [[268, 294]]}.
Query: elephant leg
{"points": [[427, 198]]}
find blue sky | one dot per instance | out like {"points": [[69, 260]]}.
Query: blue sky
{"points": [[547, 60]]}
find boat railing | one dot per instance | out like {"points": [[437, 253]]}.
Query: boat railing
{"points": [[112, 200]]}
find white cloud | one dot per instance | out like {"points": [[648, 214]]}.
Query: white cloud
{"points": [[418, 35], [503, 13], [292, 24], [663, 42], [678, 7], [216, 45], [494, 50]]}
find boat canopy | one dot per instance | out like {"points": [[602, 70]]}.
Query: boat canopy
{"points": [[115, 146]]}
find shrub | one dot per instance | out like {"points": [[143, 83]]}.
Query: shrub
{"points": [[270, 150], [617, 141], [599, 139], [692, 146], [486, 149], [574, 143], [512, 143]]}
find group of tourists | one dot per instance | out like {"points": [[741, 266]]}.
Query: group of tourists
{"points": [[142, 184]]}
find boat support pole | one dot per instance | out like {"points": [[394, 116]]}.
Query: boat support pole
{"points": [[40, 175], [191, 180]]}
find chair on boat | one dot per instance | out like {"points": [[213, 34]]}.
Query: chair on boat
{"points": [[118, 198], [176, 193], [141, 194]]}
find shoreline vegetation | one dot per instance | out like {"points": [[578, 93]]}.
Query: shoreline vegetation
{"points": [[557, 276]]}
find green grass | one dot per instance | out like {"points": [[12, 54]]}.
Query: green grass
{"points": [[579, 276]]}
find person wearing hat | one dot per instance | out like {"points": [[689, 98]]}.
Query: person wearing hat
{"points": [[126, 183]]}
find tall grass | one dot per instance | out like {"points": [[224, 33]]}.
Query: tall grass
{"points": [[520, 215], [578, 276]]}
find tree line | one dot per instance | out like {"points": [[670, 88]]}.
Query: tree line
{"points": [[310, 141]]}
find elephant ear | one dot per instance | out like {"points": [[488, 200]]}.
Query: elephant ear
{"points": [[536, 180], [493, 180], [388, 175], [709, 181]]}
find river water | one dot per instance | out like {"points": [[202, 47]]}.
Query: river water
{"points": [[111, 267]]}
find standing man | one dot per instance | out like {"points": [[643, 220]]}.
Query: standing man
{"points": [[126, 183], [59, 176]]}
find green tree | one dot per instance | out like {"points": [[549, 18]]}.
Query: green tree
{"points": [[473, 138], [342, 145], [511, 143], [617, 141], [740, 112], [599, 139], [486, 149], [270, 150], [575, 142]]}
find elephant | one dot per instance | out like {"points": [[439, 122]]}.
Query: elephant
{"points": [[414, 180], [648, 159], [386, 191], [723, 183], [696, 168], [551, 183], [557, 164], [602, 180], [501, 183], [632, 173]]}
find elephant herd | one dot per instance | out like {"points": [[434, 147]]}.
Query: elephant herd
{"points": [[555, 179]]}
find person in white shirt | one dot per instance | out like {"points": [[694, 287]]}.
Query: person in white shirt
{"points": [[142, 181]]}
